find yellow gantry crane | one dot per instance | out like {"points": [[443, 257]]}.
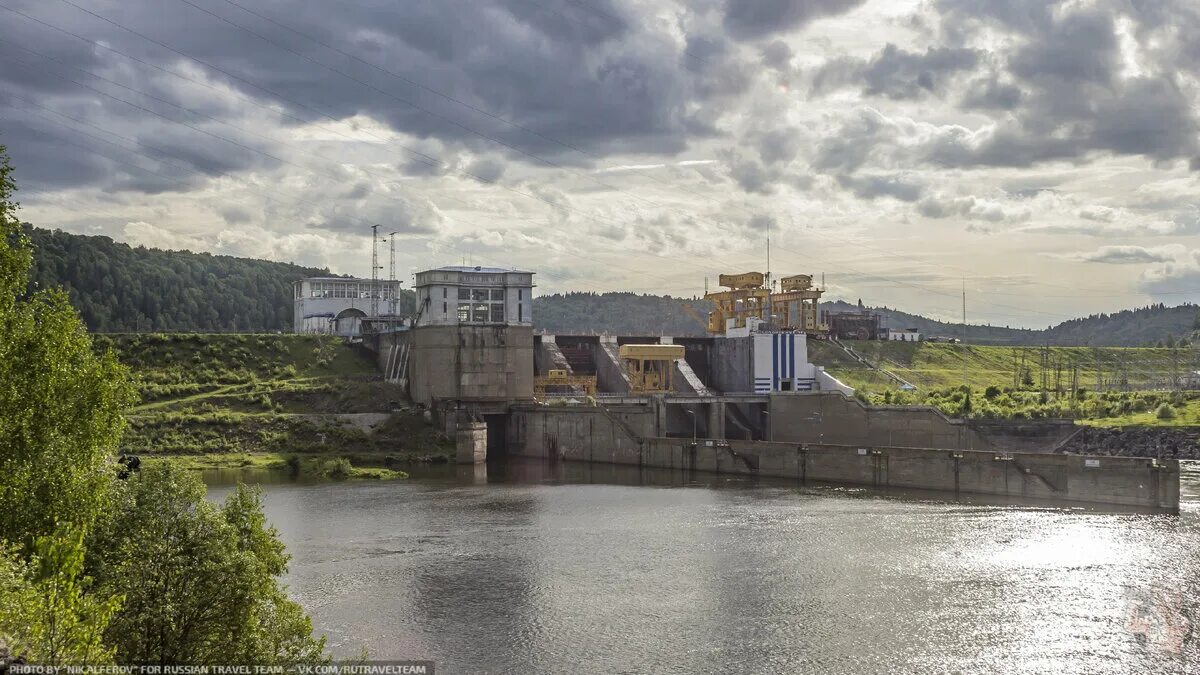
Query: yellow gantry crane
{"points": [[747, 297], [651, 368]]}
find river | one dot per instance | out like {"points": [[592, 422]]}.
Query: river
{"points": [[598, 569]]}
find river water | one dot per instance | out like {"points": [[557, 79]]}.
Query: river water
{"points": [[584, 568]]}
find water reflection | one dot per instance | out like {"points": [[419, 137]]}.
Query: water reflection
{"points": [[569, 567]]}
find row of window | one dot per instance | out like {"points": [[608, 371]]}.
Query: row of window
{"points": [[346, 289], [483, 312], [483, 294]]}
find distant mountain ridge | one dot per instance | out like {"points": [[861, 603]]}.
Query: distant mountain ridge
{"points": [[119, 288]]}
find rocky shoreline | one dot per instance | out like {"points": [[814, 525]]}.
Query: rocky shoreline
{"points": [[1160, 442]]}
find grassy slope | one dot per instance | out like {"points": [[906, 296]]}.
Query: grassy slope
{"points": [[1135, 376], [248, 399], [931, 365]]}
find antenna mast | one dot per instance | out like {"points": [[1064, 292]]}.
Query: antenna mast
{"points": [[964, 299], [770, 308], [393, 287], [374, 270], [964, 331]]}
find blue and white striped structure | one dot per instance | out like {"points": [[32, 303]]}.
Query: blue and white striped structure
{"points": [[781, 363]]}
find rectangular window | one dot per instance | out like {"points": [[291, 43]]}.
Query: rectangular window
{"points": [[479, 294], [464, 294], [464, 312], [444, 309], [444, 291], [520, 312], [479, 312], [497, 294], [497, 313], [520, 293]]}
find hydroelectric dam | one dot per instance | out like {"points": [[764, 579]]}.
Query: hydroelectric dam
{"points": [[744, 401]]}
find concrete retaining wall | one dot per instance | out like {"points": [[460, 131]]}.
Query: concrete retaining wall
{"points": [[834, 419], [595, 435]]}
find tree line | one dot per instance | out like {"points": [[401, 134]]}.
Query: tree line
{"points": [[119, 288]]}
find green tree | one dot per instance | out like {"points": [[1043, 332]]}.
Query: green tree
{"points": [[200, 582], [47, 614], [60, 404]]}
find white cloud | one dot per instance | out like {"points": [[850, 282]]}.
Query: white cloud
{"points": [[1127, 254]]}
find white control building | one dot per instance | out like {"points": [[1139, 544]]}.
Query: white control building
{"points": [[337, 305]]}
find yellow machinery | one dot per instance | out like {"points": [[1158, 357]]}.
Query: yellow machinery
{"points": [[562, 383], [741, 281], [793, 308], [745, 299], [650, 367]]}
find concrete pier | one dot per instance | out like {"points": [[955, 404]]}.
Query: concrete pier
{"points": [[470, 440]]}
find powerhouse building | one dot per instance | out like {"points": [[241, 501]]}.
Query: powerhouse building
{"points": [[451, 296]]}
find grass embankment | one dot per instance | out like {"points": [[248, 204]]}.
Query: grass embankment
{"points": [[271, 401], [1139, 385]]}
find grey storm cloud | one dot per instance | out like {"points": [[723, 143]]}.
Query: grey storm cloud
{"points": [[494, 86], [1125, 255], [1057, 85], [776, 55], [990, 93], [761, 222], [874, 187], [896, 73], [751, 19], [505, 76]]}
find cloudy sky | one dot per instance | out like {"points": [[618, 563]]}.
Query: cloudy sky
{"points": [[1045, 155]]}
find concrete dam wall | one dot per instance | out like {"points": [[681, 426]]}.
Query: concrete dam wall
{"points": [[593, 434]]}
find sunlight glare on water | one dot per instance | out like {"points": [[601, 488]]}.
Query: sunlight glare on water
{"points": [[598, 570]]}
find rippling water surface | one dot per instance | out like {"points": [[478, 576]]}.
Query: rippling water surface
{"points": [[585, 568]]}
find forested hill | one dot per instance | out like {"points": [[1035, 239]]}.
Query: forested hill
{"points": [[618, 314], [1142, 326], [119, 288], [976, 333]]}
